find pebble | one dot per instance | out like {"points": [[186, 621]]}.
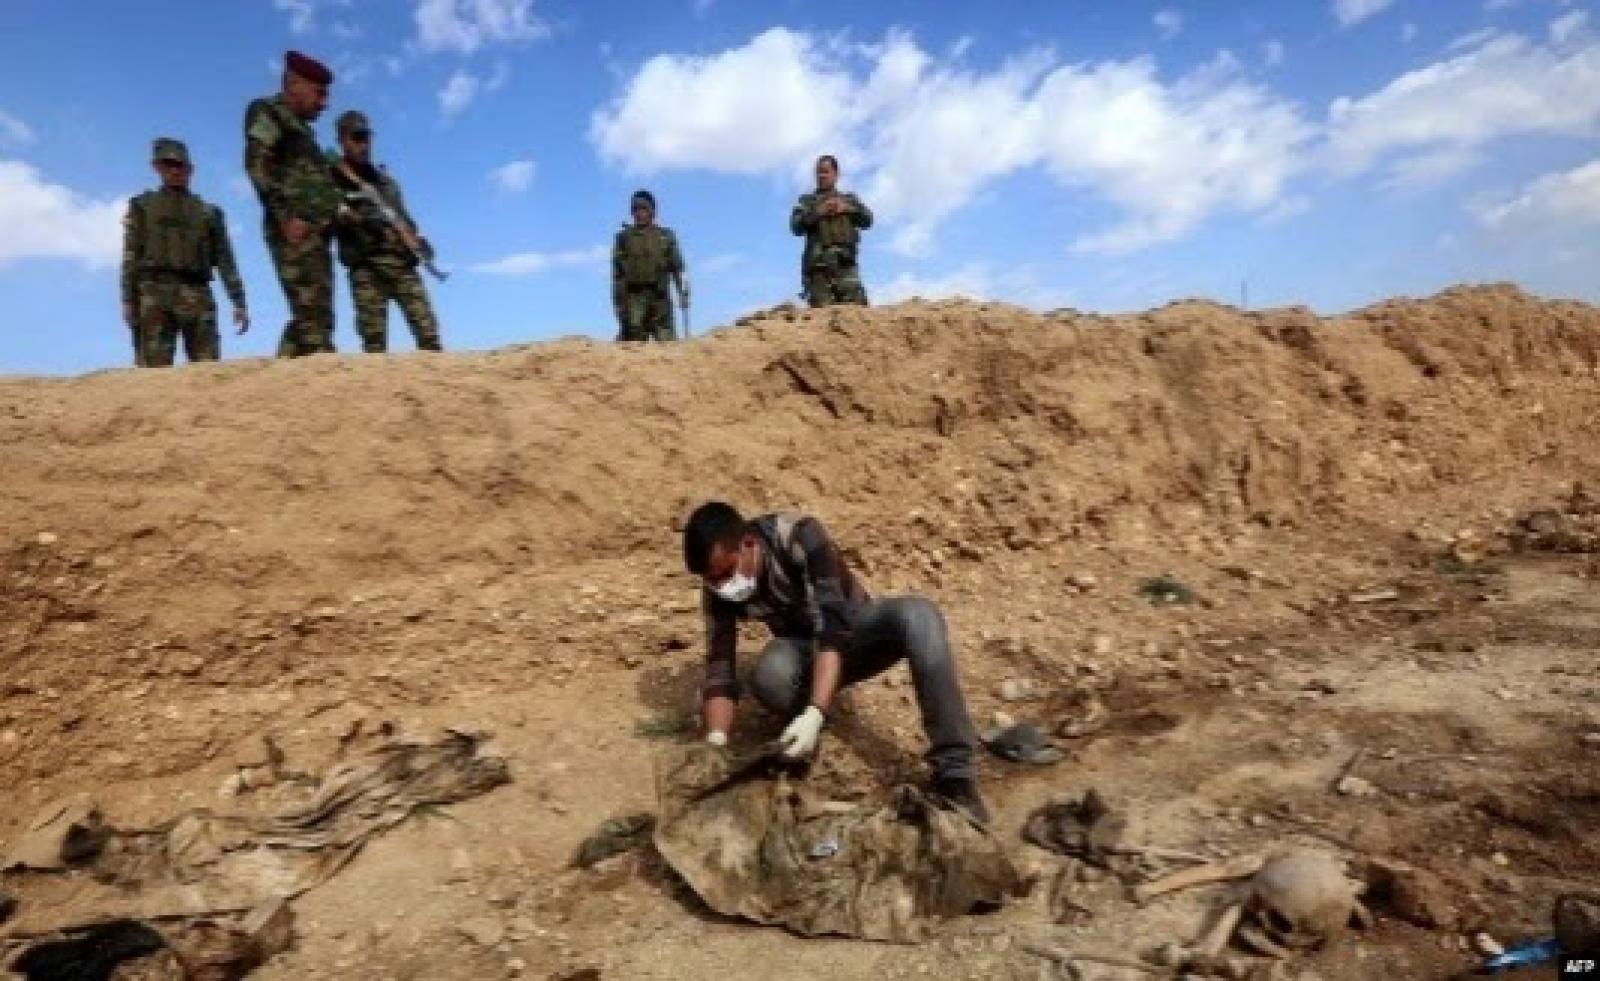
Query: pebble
{"points": [[1083, 581], [1499, 858], [1590, 739], [516, 966], [1103, 644], [483, 931], [47, 538], [1487, 945], [1016, 690], [1353, 786], [1002, 720]]}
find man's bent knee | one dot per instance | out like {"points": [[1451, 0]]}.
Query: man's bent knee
{"points": [[778, 678]]}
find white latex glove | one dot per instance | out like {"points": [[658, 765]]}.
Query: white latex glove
{"points": [[716, 738], [800, 738]]}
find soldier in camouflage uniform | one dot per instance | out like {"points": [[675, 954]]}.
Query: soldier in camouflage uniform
{"points": [[381, 267], [298, 198], [831, 223], [645, 262], [171, 242]]}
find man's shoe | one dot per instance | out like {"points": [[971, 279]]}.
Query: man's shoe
{"points": [[961, 793]]}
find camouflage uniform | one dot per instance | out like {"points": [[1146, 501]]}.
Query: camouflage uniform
{"points": [[828, 266], [292, 179], [643, 261], [382, 269], [172, 240]]}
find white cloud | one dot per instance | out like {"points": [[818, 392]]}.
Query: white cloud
{"points": [[973, 281], [1569, 27], [1351, 12], [14, 131], [458, 92], [1273, 53], [1168, 155], [41, 220], [1472, 39], [1562, 200], [531, 263], [1169, 22], [1408, 33], [514, 177], [1508, 86], [722, 112], [924, 135], [464, 26], [1428, 169], [462, 88], [303, 13]]}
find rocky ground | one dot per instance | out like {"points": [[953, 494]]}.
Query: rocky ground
{"points": [[1384, 644]]}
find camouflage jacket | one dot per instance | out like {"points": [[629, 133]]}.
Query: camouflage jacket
{"points": [[830, 239], [176, 234], [803, 589], [286, 166], [644, 257], [367, 237]]}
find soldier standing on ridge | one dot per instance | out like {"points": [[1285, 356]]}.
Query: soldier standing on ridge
{"points": [[298, 199], [644, 262], [171, 242], [381, 267], [831, 223]]}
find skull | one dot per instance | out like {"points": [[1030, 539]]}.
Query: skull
{"points": [[1298, 901]]}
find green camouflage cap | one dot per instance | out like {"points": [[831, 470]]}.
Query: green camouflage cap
{"points": [[167, 148], [352, 121]]}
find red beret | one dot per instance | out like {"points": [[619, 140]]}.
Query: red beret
{"points": [[309, 69]]}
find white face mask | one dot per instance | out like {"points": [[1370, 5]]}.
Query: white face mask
{"points": [[736, 588]]}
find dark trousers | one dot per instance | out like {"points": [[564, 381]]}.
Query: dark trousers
{"points": [[889, 630]]}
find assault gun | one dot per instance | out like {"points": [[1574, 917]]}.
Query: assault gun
{"points": [[366, 194]]}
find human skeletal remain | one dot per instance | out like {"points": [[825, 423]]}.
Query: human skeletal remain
{"points": [[1293, 901], [1299, 901]]}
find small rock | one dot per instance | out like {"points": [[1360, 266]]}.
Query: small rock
{"points": [[1505, 694], [1353, 786], [1103, 645], [1487, 945], [1002, 720], [516, 966], [1590, 739], [482, 930], [1083, 582], [47, 538], [1499, 858], [1016, 690]]}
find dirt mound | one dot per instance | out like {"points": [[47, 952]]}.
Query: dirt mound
{"points": [[191, 557]]}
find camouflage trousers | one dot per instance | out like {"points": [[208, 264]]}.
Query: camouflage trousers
{"points": [[827, 286], [646, 315], [305, 270], [168, 310], [372, 286]]}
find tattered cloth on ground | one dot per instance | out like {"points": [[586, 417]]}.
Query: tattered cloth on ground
{"points": [[752, 842], [203, 864]]}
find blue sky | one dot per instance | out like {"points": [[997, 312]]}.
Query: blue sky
{"points": [[1106, 156]]}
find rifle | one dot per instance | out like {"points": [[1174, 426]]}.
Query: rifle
{"points": [[366, 193]]}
